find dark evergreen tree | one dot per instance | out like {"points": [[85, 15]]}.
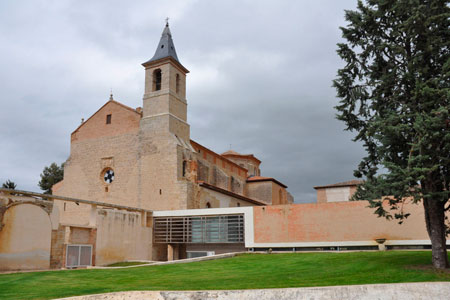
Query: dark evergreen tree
{"points": [[394, 92], [50, 176], [9, 185]]}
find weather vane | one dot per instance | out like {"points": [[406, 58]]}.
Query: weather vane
{"points": [[167, 21]]}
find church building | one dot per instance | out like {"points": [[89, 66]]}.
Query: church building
{"points": [[144, 157], [136, 187]]}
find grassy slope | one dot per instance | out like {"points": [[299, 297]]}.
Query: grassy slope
{"points": [[242, 272]]}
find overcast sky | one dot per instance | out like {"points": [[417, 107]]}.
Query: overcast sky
{"points": [[260, 79]]}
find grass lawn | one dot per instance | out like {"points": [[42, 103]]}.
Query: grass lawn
{"points": [[248, 271]]}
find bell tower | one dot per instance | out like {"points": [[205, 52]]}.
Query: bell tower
{"points": [[165, 106], [164, 134]]}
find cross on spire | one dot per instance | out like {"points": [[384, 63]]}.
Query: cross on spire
{"points": [[167, 21]]}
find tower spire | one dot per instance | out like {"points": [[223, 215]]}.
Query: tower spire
{"points": [[165, 48]]}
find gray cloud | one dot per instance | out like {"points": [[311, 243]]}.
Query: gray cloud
{"points": [[260, 79]]}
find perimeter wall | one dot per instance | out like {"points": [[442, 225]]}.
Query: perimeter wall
{"points": [[334, 222]]}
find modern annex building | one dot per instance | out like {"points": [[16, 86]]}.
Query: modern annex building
{"points": [[136, 187]]}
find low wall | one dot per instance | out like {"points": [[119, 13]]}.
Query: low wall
{"points": [[336, 222], [121, 236], [398, 291]]}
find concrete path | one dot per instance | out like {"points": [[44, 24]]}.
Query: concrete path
{"points": [[397, 291]]}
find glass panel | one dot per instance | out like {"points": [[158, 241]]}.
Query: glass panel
{"points": [[85, 255], [212, 230], [197, 230], [233, 228], [72, 256]]}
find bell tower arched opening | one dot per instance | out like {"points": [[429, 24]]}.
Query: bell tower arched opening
{"points": [[157, 79]]}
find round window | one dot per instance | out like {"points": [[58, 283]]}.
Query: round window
{"points": [[109, 176]]}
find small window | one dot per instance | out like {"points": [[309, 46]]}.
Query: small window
{"points": [[193, 254], [157, 77], [208, 205], [177, 83], [108, 119], [184, 168], [108, 175], [238, 204]]}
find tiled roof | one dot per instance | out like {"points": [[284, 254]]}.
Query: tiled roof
{"points": [[341, 184], [256, 178], [231, 152], [165, 48]]}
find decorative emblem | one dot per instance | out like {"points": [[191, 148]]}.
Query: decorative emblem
{"points": [[109, 176]]}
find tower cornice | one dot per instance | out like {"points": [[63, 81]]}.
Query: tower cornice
{"points": [[164, 60]]}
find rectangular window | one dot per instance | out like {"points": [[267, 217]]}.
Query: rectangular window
{"points": [[193, 254], [108, 119], [199, 229], [78, 256]]}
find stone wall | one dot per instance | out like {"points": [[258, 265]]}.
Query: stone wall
{"points": [[122, 236], [58, 250], [96, 147], [25, 238], [260, 190], [335, 194], [146, 159], [217, 170]]}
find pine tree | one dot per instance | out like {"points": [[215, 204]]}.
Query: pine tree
{"points": [[394, 92], [50, 176], [8, 184]]}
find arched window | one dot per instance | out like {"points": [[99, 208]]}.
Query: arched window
{"points": [[238, 204], [208, 205], [177, 83], [157, 76]]}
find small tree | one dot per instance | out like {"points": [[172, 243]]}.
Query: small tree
{"points": [[395, 93], [9, 185], [50, 176]]}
